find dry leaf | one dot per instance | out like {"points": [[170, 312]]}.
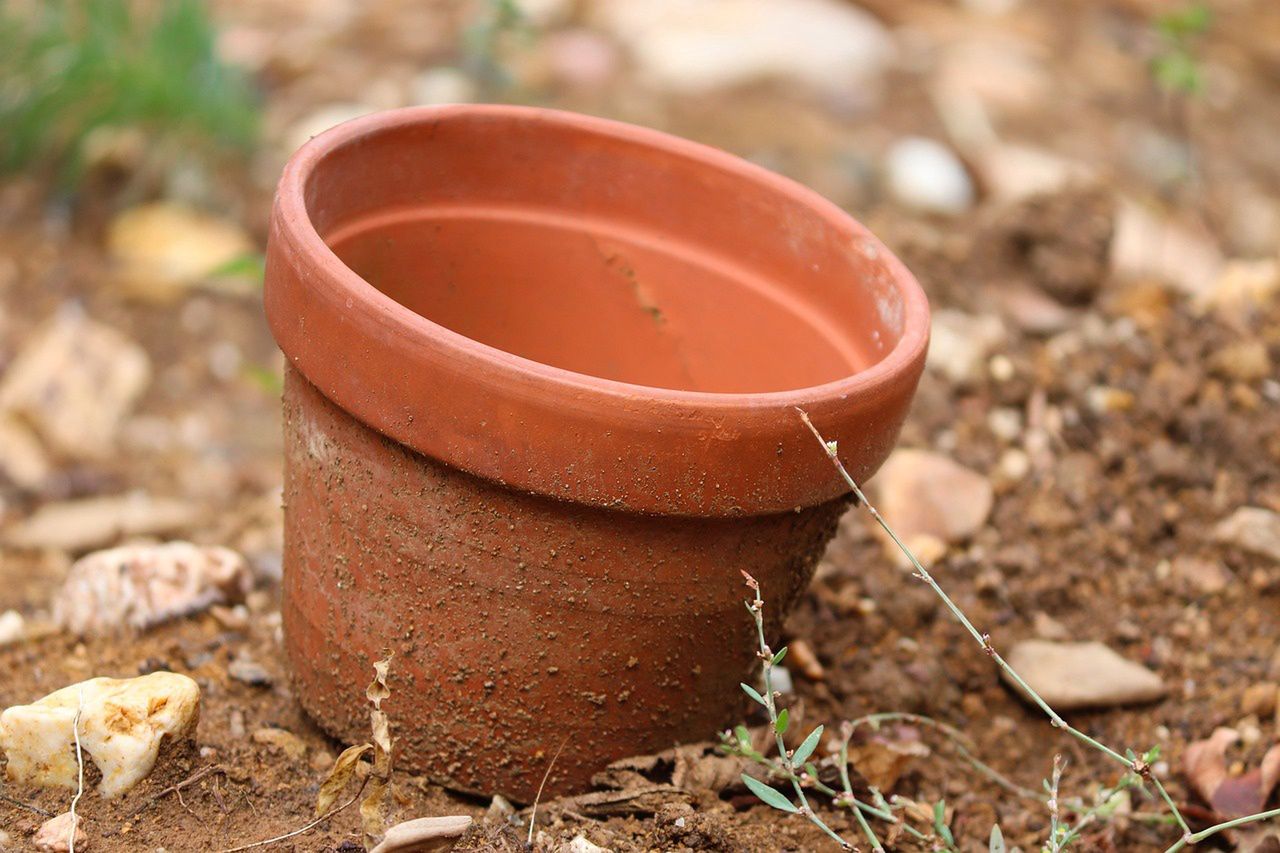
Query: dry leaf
{"points": [[343, 769], [1205, 766], [372, 818], [882, 760]]}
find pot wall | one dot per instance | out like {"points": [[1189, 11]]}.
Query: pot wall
{"points": [[517, 620]]}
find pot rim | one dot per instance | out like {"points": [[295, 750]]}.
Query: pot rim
{"points": [[899, 362]]}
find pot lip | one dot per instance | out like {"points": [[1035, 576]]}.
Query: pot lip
{"points": [[898, 363]]}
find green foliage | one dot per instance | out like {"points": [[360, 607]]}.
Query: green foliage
{"points": [[996, 843], [72, 67], [804, 750], [1176, 67], [498, 22], [769, 796]]}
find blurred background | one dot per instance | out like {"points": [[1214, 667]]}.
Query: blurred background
{"points": [[1088, 190]]}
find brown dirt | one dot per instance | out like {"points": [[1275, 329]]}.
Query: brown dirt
{"points": [[1095, 536]]}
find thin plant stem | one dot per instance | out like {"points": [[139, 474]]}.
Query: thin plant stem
{"points": [[1055, 815], [766, 655], [876, 846], [958, 740], [75, 801], [1197, 837], [1137, 764]]}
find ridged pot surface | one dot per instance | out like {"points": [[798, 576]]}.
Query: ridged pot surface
{"points": [[541, 410]]}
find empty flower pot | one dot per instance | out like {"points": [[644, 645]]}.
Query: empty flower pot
{"points": [[540, 411]]}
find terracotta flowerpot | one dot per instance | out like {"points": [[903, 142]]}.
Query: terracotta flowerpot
{"points": [[540, 412]]}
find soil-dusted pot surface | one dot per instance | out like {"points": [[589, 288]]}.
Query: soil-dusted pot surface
{"points": [[541, 411]]}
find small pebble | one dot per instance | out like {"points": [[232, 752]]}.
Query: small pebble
{"points": [[54, 835], [928, 176], [1260, 699], [281, 740], [249, 672]]}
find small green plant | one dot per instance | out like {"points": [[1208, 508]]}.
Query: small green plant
{"points": [[483, 41], [801, 771], [70, 68], [1176, 66]]}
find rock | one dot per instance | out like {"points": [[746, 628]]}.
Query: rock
{"points": [[580, 844], [12, 627], [1146, 245], [281, 740], [1242, 287], [1082, 675], [928, 176], [140, 586], [544, 13], [253, 674], [1048, 628], [75, 381], [424, 834], [1245, 361], [55, 834], [1104, 399], [694, 48], [500, 811], [805, 658], [1001, 75], [82, 524], [163, 249], [1260, 699], [1206, 577], [1251, 529], [442, 86], [581, 58], [928, 498], [960, 343], [122, 725], [1011, 172], [22, 459], [322, 119]]}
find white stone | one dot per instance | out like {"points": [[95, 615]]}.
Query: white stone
{"points": [[926, 175], [1252, 529], [22, 458], [89, 522], [162, 249], [1147, 245], [320, 120], [1011, 172], [122, 725], [697, 47], [959, 344], [139, 586], [75, 381], [55, 834], [442, 86], [1082, 675], [581, 844], [12, 627]]}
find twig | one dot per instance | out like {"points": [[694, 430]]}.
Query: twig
{"points": [[533, 811], [300, 830], [1138, 765], [28, 806], [75, 732], [173, 789]]}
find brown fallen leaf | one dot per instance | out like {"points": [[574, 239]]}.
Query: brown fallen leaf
{"points": [[1205, 766], [884, 758], [373, 819], [343, 769]]}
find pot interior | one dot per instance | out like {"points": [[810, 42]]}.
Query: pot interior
{"points": [[626, 256]]}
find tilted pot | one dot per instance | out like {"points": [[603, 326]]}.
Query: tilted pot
{"points": [[541, 409]]}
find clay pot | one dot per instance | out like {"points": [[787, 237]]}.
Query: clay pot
{"points": [[540, 411]]}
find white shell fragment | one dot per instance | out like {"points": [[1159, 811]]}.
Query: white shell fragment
{"points": [[138, 586], [122, 724]]}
